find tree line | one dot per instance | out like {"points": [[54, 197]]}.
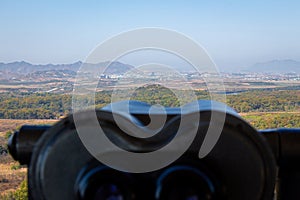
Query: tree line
{"points": [[53, 106]]}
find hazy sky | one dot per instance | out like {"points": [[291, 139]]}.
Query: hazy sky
{"points": [[235, 33]]}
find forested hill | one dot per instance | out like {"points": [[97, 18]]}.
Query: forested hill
{"points": [[53, 106]]}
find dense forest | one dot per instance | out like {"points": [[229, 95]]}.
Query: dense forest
{"points": [[273, 120], [53, 106]]}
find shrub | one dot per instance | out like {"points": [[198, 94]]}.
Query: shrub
{"points": [[15, 166], [22, 192]]}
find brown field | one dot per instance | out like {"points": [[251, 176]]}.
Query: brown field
{"points": [[11, 175]]}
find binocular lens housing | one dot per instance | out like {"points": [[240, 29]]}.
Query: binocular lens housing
{"points": [[177, 182], [243, 164], [102, 182], [185, 182]]}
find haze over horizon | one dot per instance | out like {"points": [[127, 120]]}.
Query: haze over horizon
{"points": [[234, 33]]}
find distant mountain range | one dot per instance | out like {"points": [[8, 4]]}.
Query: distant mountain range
{"points": [[14, 69], [276, 66], [24, 68]]}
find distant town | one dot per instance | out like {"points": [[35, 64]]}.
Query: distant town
{"points": [[22, 77]]}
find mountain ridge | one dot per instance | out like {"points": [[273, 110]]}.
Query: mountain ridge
{"points": [[22, 67]]}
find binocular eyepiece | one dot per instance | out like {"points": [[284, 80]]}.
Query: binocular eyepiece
{"points": [[243, 164]]}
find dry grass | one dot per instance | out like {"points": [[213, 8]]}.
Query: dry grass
{"points": [[12, 124], [10, 178]]}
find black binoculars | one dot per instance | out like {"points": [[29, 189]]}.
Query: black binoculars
{"points": [[244, 163]]}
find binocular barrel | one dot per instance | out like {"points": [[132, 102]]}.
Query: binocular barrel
{"points": [[285, 143], [21, 143]]}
